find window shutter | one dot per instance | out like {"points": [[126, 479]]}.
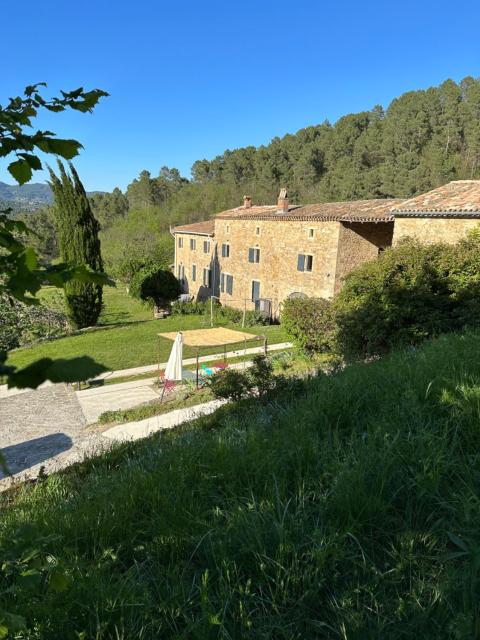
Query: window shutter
{"points": [[251, 255], [301, 262], [222, 282], [230, 284]]}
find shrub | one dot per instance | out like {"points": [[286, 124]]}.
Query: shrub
{"points": [[258, 380], [155, 286], [21, 324], [228, 314], [230, 384], [309, 323], [190, 308], [413, 292], [255, 318]]}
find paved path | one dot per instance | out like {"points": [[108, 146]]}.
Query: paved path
{"points": [[144, 428], [43, 428], [46, 427]]}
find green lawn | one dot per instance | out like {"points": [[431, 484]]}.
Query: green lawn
{"points": [[348, 508], [126, 335]]}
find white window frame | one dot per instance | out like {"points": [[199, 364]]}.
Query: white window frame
{"points": [[207, 281], [306, 257], [224, 283], [256, 255]]}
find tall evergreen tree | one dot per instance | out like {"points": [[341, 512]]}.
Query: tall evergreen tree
{"points": [[78, 243]]}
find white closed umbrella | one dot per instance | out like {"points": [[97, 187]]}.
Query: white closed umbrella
{"points": [[173, 370]]}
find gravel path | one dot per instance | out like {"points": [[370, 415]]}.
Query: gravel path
{"points": [[42, 428]]}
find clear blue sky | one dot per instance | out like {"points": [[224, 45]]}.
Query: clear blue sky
{"points": [[190, 79]]}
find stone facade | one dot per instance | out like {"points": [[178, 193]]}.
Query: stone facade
{"points": [[359, 242], [429, 230], [270, 252], [191, 260], [279, 243]]}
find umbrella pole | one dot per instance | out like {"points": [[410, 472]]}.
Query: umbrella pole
{"points": [[197, 368]]}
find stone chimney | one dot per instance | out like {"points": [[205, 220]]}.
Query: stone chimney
{"points": [[247, 202], [282, 202]]}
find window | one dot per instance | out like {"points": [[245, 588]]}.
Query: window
{"points": [[207, 278], [257, 231], [304, 262], [180, 243], [193, 244], [227, 228], [206, 246], [194, 272], [254, 254], [226, 283], [181, 272], [255, 290], [311, 233], [225, 250]]}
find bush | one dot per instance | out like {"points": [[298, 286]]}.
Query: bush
{"points": [[412, 293], [309, 323], [190, 308], [256, 318], [21, 324], [258, 380], [155, 286], [230, 384]]}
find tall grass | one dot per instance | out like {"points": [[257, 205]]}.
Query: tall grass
{"points": [[349, 509]]}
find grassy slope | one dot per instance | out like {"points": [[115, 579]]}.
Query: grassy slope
{"points": [[350, 510], [129, 338]]}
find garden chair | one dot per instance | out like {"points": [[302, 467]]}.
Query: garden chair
{"points": [[207, 371], [168, 385]]}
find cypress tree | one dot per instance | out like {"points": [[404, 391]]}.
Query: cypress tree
{"points": [[78, 243]]}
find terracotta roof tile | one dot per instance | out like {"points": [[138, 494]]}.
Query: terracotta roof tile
{"points": [[460, 196], [206, 227], [353, 211]]}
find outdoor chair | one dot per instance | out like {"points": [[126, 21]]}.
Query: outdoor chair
{"points": [[168, 385], [207, 371]]}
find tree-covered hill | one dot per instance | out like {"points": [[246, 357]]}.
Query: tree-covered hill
{"points": [[423, 139]]}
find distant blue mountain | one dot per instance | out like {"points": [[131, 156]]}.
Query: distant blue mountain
{"points": [[28, 197]]}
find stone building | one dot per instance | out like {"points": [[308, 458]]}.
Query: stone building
{"points": [[257, 256]]}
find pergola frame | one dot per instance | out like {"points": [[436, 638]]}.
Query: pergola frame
{"points": [[189, 342]]}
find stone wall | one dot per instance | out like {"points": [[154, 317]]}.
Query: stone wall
{"points": [[185, 258], [280, 242], [359, 242], [429, 230]]}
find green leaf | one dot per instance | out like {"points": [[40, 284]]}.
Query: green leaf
{"points": [[59, 581], [20, 170], [33, 161], [68, 149]]}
